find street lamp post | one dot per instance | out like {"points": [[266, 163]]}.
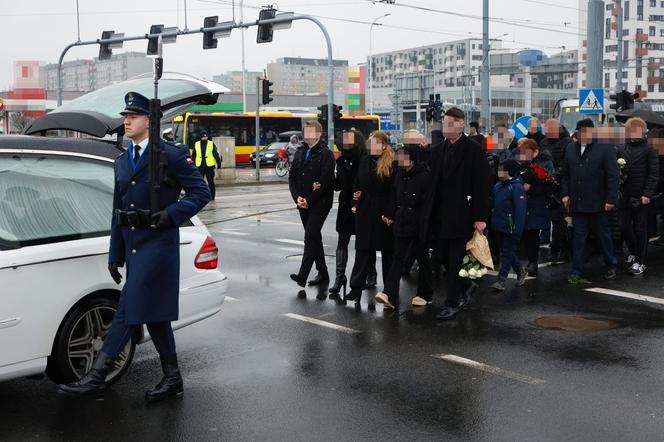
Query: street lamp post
{"points": [[370, 62]]}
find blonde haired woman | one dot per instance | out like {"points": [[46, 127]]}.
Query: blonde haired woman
{"points": [[373, 186]]}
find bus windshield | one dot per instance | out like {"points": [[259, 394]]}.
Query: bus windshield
{"points": [[242, 128]]}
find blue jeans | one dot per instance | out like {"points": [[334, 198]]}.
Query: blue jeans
{"points": [[508, 258], [582, 223], [120, 333]]}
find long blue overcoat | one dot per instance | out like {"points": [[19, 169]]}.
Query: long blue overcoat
{"points": [[152, 286]]}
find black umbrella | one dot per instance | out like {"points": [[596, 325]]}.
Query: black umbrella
{"points": [[652, 119]]}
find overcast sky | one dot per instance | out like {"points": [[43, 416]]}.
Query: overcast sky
{"points": [[39, 29]]}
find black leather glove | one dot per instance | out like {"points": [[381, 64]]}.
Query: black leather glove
{"points": [[115, 274], [161, 220]]}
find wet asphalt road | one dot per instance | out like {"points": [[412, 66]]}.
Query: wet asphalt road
{"points": [[259, 371]]}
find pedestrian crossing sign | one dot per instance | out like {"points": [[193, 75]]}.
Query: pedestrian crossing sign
{"points": [[591, 101]]}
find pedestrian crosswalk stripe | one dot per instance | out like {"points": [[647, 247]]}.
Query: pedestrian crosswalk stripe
{"points": [[627, 295], [326, 324], [489, 369], [290, 241]]}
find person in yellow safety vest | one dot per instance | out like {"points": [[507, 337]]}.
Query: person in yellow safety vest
{"points": [[206, 158]]}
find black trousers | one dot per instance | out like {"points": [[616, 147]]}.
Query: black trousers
{"points": [[313, 220], [420, 249], [559, 231], [452, 251], [365, 261], [634, 228], [531, 238], [120, 333], [208, 174]]}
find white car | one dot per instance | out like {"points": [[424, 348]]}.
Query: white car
{"points": [[57, 299]]}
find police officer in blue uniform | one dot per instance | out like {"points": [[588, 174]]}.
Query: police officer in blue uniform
{"points": [[149, 244]]}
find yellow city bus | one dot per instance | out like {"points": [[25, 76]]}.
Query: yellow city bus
{"points": [[241, 126]]}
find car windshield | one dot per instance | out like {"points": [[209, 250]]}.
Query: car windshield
{"points": [[110, 100], [276, 146], [49, 198]]}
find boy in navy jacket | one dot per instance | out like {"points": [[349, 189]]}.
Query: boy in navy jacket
{"points": [[508, 219]]}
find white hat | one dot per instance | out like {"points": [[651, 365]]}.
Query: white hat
{"points": [[167, 131]]}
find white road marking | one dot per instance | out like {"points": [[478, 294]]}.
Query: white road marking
{"points": [[315, 321], [290, 241], [627, 295], [230, 298], [290, 249], [230, 232], [489, 369]]}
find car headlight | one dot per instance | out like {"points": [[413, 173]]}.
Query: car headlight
{"points": [[269, 155]]}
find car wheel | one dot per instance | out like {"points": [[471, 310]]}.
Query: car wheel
{"points": [[80, 339]]}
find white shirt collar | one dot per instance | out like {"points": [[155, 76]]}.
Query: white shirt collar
{"points": [[141, 146]]}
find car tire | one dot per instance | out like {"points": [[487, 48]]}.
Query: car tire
{"points": [[79, 340]]}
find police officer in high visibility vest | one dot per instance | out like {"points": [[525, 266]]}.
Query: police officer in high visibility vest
{"points": [[149, 244], [207, 159]]}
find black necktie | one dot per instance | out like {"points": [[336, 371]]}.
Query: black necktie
{"points": [[137, 153]]}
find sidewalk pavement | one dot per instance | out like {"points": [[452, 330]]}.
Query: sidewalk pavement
{"points": [[244, 176]]}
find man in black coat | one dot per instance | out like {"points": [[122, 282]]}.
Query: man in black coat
{"points": [[590, 183], [314, 163], [459, 205], [641, 170], [474, 133], [556, 143]]}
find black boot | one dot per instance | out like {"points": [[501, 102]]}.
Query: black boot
{"points": [[340, 279], [170, 384], [295, 277], [93, 384]]}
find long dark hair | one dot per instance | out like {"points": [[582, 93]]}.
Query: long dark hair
{"points": [[359, 146]]}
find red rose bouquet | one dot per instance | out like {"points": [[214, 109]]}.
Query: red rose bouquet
{"points": [[536, 174]]}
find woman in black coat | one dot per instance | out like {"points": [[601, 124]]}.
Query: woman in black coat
{"points": [[373, 188], [354, 149]]}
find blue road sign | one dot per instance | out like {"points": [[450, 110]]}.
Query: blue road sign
{"points": [[522, 126], [591, 101]]}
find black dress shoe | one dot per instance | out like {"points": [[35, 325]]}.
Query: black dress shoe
{"points": [[170, 384], [297, 279], [610, 274], [448, 313], [354, 295], [93, 384], [320, 279], [467, 295], [531, 269]]}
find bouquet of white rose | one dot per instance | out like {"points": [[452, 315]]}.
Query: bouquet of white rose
{"points": [[472, 268]]}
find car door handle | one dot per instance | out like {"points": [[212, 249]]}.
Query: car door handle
{"points": [[8, 323], [185, 243]]}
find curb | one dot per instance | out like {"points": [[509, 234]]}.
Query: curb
{"points": [[246, 183]]}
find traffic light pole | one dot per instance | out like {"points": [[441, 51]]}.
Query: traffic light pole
{"points": [[223, 27], [258, 125]]}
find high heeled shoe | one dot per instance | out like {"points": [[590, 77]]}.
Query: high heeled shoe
{"points": [[339, 283]]}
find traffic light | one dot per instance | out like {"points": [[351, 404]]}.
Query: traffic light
{"points": [[209, 41], [618, 101], [267, 91], [337, 112], [628, 100], [437, 109], [106, 49], [322, 116], [265, 32], [430, 109], [152, 42]]}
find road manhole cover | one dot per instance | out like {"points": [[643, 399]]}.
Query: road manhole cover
{"points": [[575, 323]]}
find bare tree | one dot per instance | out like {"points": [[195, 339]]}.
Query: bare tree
{"points": [[19, 122]]}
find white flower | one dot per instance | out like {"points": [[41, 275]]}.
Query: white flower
{"points": [[621, 162], [463, 273], [472, 273], [484, 271]]}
